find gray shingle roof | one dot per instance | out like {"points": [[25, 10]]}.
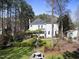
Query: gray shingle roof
{"points": [[51, 20], [37, 21]]}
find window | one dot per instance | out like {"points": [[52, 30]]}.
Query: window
{"points": [[71, 34], [48, 32], [41, 26]]}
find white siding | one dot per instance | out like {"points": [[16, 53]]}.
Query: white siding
{"points": [[55, 29], [73, 34], [48, 28], [35, 27]]}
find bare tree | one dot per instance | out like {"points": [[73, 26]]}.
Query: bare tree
{"points": [[59, 8], [77, 15], [77, 19]]}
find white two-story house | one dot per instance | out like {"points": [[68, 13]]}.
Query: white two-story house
{"points": [[50, 28]]}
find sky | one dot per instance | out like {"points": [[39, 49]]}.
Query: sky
{"points": [[40, 7]]}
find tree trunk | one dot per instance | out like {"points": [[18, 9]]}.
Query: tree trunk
{"points": [[2, 20], [15, 23]]}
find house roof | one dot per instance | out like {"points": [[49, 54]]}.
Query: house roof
{"points": [[37, 21], [51, 20]]}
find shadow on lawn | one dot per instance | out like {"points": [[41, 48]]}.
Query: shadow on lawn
{"points": [[71, 55], [14, 53]]}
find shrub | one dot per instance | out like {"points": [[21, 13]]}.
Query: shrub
{"points": [[20, 44], [20, 36], [24, 44], [34, 36], [41, 42], [30, 43], [34, 33], [41, 37], [16, 44], [39, 31]]}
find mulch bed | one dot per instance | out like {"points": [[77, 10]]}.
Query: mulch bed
{"points": [[63, 46]]}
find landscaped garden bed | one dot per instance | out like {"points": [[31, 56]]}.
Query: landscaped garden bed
{"points": [[21, 50]]}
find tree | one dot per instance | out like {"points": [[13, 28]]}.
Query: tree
{"points": [[68, 24], [59, 8], [4, 4], [77, 19], [77, 16], [26, 14], [15, 9]]}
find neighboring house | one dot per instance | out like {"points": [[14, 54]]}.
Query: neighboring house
{"points": [[73, 35], [50, 28]]}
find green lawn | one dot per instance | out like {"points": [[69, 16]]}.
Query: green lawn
{"points": [[22, 53], [48, 41], [58, 56], [16, 53]]}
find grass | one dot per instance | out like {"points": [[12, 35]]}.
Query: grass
{"points": [[51, 55], [15, 53], [23, 53], [48, 43]]}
